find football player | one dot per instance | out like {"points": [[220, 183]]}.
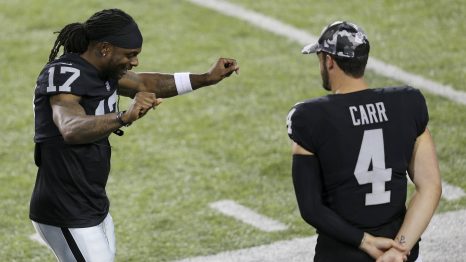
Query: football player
{"points": [[352, 151], [76, 109]]}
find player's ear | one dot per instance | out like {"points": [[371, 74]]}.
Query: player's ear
{"points": [[329, 62], [105, 49]]}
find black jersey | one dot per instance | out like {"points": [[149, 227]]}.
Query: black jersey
{"points": [[364, 142], [71, 179]]}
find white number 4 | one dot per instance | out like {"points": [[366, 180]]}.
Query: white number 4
{"points": [[66, 87], [288, 121], [372, 150]]}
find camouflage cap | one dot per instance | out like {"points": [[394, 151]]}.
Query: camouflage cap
{"points": [[342, 39]]}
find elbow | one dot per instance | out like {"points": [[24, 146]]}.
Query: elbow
{"points": [[439, 190], [309, 217], [310, 211], [435, 189], [70, 136], [67, 128], [431, 191]]}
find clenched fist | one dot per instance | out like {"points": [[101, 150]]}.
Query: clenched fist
{"points": [[142, 102], [224, 67]]}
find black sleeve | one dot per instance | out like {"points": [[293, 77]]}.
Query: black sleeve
{"points": [[421, 116], [307, 182], [299, 124], [37, 155]]}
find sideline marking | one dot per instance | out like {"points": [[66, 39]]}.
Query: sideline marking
{"points": [[246, 215], [302, 37], [450, 192], [444, 238]]}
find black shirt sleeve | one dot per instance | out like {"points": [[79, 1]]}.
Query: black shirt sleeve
{"points": [[300, 128], [421, 116], [307, 182]]}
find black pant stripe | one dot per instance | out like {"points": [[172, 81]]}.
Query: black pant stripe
{"points": [[72, 244]]}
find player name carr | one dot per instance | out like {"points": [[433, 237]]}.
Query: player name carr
{"points": [[368, 114]]}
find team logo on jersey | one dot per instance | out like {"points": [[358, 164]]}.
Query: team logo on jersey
{"points": [[107, 85]]}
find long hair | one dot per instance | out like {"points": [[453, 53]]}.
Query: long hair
{"points": [[75, 37]]}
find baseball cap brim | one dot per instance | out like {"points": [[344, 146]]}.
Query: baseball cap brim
{"points": [[310, 48]]}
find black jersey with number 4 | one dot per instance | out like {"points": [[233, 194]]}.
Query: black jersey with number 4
{"points": [[71, 179], [364, 142]]}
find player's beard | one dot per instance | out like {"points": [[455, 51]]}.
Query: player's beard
{"points": [[115, 71], [325, 79]]}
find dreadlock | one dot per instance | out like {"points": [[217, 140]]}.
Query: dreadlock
{"points": [[75, 37]]}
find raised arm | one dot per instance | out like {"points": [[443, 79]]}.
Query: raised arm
{"points": [[425, 174], [308, 188], [78, 128], [164, 85]]}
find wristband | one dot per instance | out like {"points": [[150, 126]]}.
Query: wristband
{"points": [[183, 83], [120, 120]]}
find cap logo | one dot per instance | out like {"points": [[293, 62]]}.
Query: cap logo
{"points": [[359, 38]]}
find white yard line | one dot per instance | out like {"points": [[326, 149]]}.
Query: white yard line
{"points": [[444, 239], [298, 249], [450, 192], [397, 73], [248, 216], [302, 37]]}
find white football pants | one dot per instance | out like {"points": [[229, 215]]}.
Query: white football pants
{"points": [[89, 244]]}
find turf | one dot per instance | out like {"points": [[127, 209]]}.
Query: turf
{"points": [[222, 142], [422, 37]]}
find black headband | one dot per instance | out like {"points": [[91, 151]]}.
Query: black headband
{"points": [[128, 37]]}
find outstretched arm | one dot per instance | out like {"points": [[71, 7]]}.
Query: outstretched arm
{"points": [[425, 174], [308, 188], [163, 85]]}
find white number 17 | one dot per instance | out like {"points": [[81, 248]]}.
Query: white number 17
{"points": [[66, 87], [372, 150]]}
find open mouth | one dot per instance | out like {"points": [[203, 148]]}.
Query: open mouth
{"points": [[122, 70]]}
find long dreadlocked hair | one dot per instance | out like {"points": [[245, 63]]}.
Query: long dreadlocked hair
{"points": [[75, 37]]}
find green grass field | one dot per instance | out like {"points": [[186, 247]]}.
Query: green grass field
{"points": [[222, 142]]}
